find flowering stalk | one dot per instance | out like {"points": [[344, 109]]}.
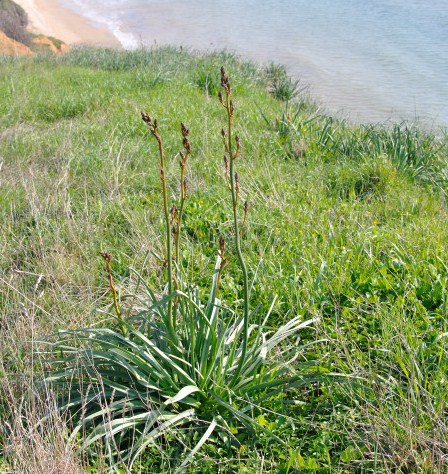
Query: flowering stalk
{"points": [[232, 152], [183, 188], [107, 258], [153, 127]]}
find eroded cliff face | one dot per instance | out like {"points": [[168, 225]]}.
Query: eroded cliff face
{"points": [[15, 36], [44, 43], [38, 44], [12, 47]]}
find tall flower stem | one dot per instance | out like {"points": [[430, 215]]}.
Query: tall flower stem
{"points": [[183, 189], [153, 127], [107, 258], [232, 154]]}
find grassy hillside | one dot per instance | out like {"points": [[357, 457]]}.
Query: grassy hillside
{"points": [[346, 224]]}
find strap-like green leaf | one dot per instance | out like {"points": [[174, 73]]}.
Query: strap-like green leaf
{"points": [[184, 392]]}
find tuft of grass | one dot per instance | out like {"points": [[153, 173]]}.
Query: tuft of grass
{"points": [[410, 150], [280, 85]]}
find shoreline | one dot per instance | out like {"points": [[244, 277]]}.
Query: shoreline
{"points": [[50, 18]]}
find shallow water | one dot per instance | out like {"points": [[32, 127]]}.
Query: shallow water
{"points": [[368, 60]]}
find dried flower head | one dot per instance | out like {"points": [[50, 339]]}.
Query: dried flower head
{"points": [[107, 256], [146, 118], [237, 186], [174, 211], [152, 124], [238, 146], [185, 130], [226, 165], [225, 82], [222, 245]]}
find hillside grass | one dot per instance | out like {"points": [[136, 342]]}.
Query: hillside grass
{"points": [[347, 223]]}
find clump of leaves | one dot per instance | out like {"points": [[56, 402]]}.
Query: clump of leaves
{"points": [[180, 362], [412, 152], [280, 85]]}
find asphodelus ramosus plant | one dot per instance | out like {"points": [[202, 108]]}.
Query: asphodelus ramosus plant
{"points": [[180, 362]]}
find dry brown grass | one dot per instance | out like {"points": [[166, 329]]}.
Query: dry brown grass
{"points": [[30, 446], [33, 447]]}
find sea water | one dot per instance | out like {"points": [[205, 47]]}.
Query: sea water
{"points": [[367, 60]]}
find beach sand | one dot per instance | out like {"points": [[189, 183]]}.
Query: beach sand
{"points": [[50, 18]]}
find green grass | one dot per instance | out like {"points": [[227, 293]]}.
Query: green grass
{"points": [[347, 223]]}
